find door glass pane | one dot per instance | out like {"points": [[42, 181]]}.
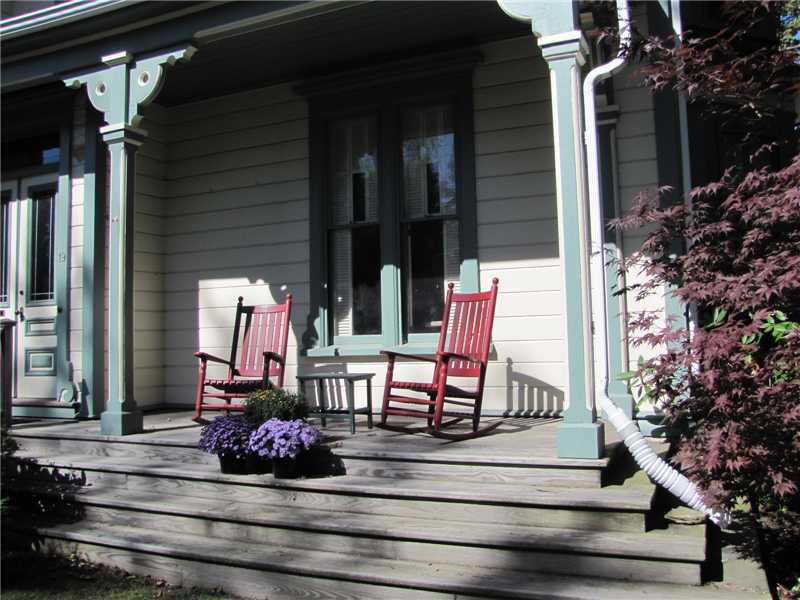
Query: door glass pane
{"points": [[42, 246], [429, 175], [5, 236]]}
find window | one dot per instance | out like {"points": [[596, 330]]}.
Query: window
{"points": [[393, 213], [42, 239]]}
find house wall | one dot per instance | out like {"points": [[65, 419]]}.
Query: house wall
{"points": [[148, 261], [235, 222]]}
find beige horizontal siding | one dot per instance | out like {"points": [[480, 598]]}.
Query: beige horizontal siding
{"points": [[235, 222]]}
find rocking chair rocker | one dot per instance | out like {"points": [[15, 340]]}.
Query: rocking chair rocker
{"points": [[467, 337], [263, 355]]}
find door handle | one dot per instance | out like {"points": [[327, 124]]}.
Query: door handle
{"points": [[20, 313]]}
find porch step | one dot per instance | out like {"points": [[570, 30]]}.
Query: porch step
{"points": [[364, 462], [280, 572], [605, 509], [652, 556]]}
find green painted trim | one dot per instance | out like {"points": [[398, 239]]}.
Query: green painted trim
{"points": [[580, 435], [92, 385], [615, 327], [358, 340], [62, 261], [31, 333], [651, 424], [121, 415], [571, 234], [467, 192], [371, 350], [28, 362], [389, 214], [580, 440], [44, 412]]}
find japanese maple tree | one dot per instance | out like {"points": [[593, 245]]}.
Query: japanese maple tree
{"points": [[730, 385]]}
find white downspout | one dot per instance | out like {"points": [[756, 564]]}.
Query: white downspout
{"points": [[657, 469]]}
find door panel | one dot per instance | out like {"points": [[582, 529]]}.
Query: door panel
{"points": [[32, 209]]}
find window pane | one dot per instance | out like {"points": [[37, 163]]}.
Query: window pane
{"points": [[41, 249], [428, 162], [356, 269], [5, 232], [353, 172], [433, 261]]}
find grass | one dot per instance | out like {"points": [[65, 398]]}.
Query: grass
{"points": [[32, 576]]}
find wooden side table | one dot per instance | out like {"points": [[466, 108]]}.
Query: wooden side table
{"points": [[351, 379]]}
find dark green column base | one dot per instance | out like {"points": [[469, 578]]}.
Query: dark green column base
{"points": [[651, 424], [121, 423], [580, 440]]}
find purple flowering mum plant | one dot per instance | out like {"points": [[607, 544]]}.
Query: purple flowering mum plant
{"points": [[283, 439], [227, 435]]}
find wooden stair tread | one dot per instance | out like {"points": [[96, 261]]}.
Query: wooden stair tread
{"points": [[607, 498], [379, 571], [651, 545], [345, 445]]}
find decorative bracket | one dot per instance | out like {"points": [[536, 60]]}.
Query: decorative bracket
{"points": [[122, 86]]}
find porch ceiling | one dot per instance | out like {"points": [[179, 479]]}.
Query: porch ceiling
{"points": [[356, 36]]}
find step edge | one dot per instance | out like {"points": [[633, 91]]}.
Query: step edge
{"points": [[360, 576], [313, 485]]}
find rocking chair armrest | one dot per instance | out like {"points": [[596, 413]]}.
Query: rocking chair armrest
{"points": [[205, 356], [274, 356], [455, 355], [392, 355]]}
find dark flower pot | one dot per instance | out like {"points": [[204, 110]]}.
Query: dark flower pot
{"points": [[284, 468], [234, 465], [258, 465]]}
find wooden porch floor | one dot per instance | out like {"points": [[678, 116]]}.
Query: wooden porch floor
{"points": [[523, 441]]}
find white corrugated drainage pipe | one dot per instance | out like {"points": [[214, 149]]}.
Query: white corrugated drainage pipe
{"points": [[657, 469]]}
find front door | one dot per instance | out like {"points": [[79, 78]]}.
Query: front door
{"points": [[28, 284]]}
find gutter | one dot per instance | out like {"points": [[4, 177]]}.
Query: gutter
{"points": [[59, 14], [657, 469]]}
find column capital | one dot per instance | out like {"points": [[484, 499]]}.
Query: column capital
{"points": [[122, 85], [119, 133], [568, 44]]}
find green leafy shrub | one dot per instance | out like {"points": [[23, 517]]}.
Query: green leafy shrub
{"points": [[275, 403]]}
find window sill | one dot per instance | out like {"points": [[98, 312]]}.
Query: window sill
{"points": [[369, 350]]}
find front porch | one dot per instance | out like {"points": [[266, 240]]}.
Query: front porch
{"points": [[413, 517]]}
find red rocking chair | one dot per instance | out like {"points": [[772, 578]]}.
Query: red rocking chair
{"points": [[263, 355], [467, 337]]}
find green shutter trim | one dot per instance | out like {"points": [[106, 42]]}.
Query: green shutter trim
{"points": [[617, 388], [579, 435], [92, 351], [65, 387]]}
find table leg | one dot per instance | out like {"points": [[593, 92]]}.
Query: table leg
{"points": [[321, 399], [351, 405], [369, 403]]}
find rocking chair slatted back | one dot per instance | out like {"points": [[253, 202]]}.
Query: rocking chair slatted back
{"points": [[469, 331], [266, 329]]}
